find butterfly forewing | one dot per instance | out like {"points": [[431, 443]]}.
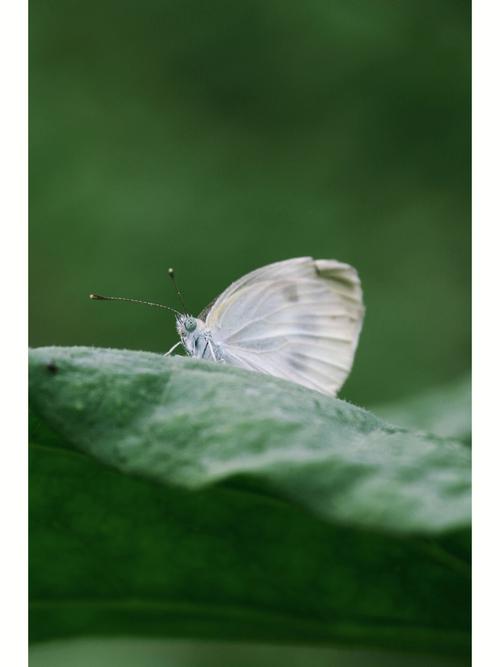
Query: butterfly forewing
{"points": [[299, 320]]}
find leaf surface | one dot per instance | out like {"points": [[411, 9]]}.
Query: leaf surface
{"points": [[236, 506], [444, 411], [191, 424]]}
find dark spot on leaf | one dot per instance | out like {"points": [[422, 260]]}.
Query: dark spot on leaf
{"points": [[52, 368]]}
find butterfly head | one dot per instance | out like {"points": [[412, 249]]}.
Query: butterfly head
{"points": [[193, 333], [188, 326]]}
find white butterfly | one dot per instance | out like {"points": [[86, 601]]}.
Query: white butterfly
{"points": [[298, 319]]}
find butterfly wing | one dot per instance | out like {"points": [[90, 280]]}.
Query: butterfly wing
{"points": [[299, 320]]}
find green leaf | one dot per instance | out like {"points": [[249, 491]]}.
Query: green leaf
{"points": [[192, 424], [444, 411], [250, 509], [181, 653]]}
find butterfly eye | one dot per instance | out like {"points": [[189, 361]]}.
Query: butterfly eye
{"points": [[190, 324]]}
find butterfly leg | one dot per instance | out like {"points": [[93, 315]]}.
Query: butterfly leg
{"points": [[211, 348], [167, 354]]}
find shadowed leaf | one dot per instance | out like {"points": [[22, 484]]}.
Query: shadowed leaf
{"points": [[250, 508]]}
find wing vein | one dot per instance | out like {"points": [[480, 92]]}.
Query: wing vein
{"points": [[265, 318]]}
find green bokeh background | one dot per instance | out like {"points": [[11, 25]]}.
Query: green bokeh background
{"points": [[219, 136]]}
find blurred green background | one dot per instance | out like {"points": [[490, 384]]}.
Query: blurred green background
{"points": [[219, 136]]}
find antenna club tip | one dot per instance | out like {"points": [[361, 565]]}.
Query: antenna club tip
{"points": [[95, 297], [171, 271]]}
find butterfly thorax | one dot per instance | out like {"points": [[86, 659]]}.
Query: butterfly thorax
{"points": [[197, 338]]}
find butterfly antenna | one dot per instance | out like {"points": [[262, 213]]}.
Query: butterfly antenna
{"points": [[174, 281], [99, 297]]}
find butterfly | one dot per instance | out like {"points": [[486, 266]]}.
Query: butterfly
{"points": [[297, 319]]}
